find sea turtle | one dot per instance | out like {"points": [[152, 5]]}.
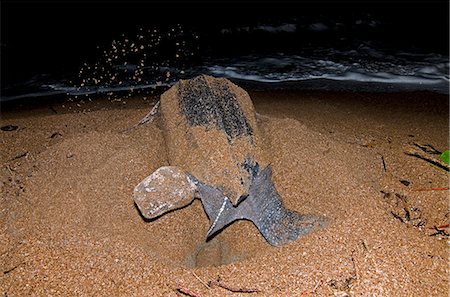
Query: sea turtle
{"points": [[211, 133]]}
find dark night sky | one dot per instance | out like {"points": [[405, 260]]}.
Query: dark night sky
{"points": [[45, 36]]}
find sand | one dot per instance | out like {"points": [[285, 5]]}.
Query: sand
{"points": [[69, 225]]}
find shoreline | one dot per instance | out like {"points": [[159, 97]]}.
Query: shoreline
{"points": [[252, 88], [310, 85]]}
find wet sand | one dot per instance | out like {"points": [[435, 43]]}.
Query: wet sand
{"points": [[69, 225]]}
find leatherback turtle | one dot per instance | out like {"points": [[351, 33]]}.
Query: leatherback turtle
{"points": [[211, 133]]}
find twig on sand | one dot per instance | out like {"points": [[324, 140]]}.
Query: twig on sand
{"points": [[319, 282], [11, 170], [440, 231], [20, 156], [187, 291], [443, 226], [427, 148], [355, 267], [426, 157], [200, 280], [219, 283], [384, 163], [12, 269]]}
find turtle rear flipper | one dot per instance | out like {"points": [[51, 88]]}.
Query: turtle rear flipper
{"points": [[263, 206]]}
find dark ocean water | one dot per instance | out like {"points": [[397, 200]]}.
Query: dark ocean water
{"points": [[127, 48]]}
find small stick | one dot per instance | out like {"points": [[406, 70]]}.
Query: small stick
{"points": [[12, 269], [355, 267], [439, 232], [384, 163], [431, 160], [317, 285], [430, 189], [10, 169], [427, 148], [440, 227], [187, 292], [200, 280], [232, 289], [20, 156]]}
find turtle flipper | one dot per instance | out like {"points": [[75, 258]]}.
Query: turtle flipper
{"points": [[277, 224], [170, 188], [218, 207], [263, 207]]}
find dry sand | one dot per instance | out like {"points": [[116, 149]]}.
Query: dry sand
{"points": [[69, 225]]}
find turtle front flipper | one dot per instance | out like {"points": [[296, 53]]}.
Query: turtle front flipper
{"points": [[264, 207], [218, 207], [166, 189]]}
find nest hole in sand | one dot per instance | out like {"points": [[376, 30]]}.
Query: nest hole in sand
{"points": [[182, 239]]}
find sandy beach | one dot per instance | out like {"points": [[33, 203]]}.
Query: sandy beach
{"points": [[69, 225]]}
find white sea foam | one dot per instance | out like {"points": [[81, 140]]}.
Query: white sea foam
{"points": [[362, 64], [365, 65], [276, 29], [318, 27]]}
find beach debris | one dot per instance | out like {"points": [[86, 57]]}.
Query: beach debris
{"points": [[188, 292], [445, 157], [341, 287], [443, 226], [219, 283], [402, 210], [200, 280], [56, 134], [427, 148], [384, 163], [405, 182], [20, 156], [427, 153], [215, 155], [9, 128], [12, 268], [441, 232]]}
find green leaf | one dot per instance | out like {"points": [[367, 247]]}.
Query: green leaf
{"points": [[445, 157]]}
